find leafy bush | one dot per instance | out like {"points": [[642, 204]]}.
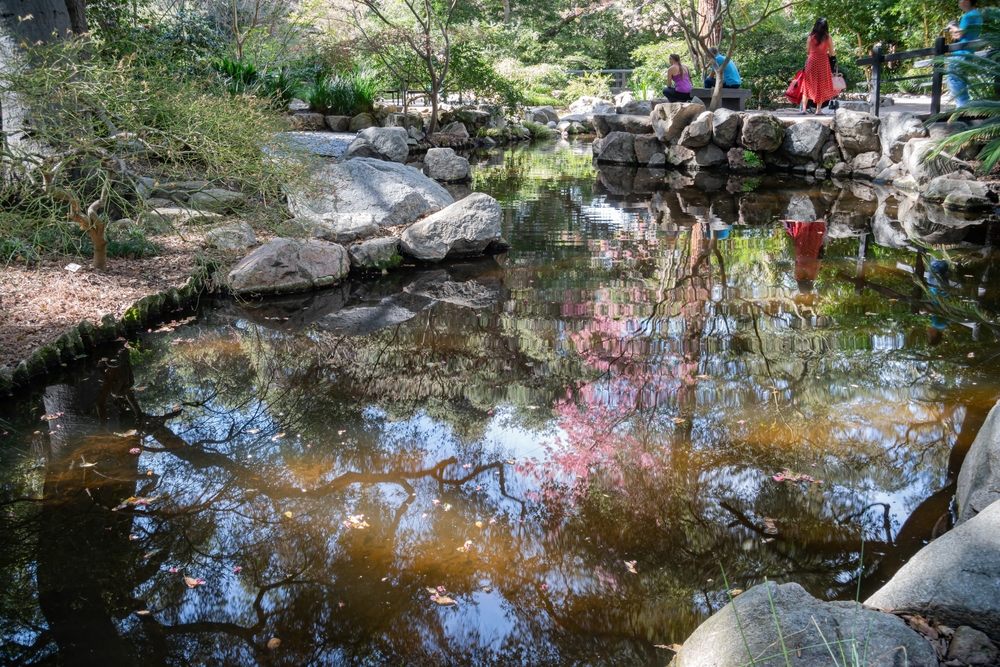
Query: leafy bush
{"points": [[539, 131], [344, 94], [752, 159], [472, 71], [239, 77], [591, 83]]}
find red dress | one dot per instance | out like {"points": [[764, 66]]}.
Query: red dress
{"points": [[818, 80]]}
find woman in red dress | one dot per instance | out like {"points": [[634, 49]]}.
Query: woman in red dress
{"points": [[818, 80]]}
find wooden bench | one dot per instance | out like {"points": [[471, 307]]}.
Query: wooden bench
{"points": [[732, 98]]}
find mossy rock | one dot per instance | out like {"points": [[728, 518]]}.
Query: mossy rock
{"points": [[88, 333], [136, 315], [21, 376], [66, 349], [107, 331], [172, 299], [44, 358], [6, 379]]}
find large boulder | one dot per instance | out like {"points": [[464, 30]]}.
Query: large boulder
{"points": [[542, 115], [762, 132], [235, 236], [443, 164], [618, 148], [405, 121], [726, 126], [857, 132], [698, 133], [457, 130], [338, 123], [589, 105], [369, 191], [979, 479], [361, 122], [959, 195], [710, 156], [670, 119], [307, 122], [346, 230], [679, 156], [375, 254], [954, 580], [632, 124], [388, 143], [646, 146], [463, 229], [637, 107], [865, 165], [475, 119], [289, 265], [804, 141], [924, 168], [895, 129], [585, 120], [811, 633]]}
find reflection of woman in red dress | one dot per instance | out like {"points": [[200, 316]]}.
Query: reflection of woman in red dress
{"points": [[808, 237], [817, 84]]}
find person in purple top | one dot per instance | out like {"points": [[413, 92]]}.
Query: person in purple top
{"points": [[678, 81]]}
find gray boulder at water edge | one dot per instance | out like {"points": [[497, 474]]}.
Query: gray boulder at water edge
{"points": [[726, 126], [618, 148], [804, 141], [762, 132], [895, 129], [387, 143], [216, 200], [954, 580], [719, 642], [923, 168], [979, 479], [365, 191], [374, 253], [857, 132], [698, 133], [463, 229], [443, 164], [289, 265], [670, 119]]}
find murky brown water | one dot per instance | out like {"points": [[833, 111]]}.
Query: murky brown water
{"points": [[571, 443]]}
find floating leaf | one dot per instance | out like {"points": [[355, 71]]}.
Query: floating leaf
{"points": [[736, 591], [356, 521], [288, 514], [446, 507], [48, 418], [127, 434], [143, 612], [630, 566], [172, 570], [278, 437], [253, 430], [443, 600], [479, 524], [465, 547], [273, 643], [135, 451], [192, 582], [769, 527], [795, 477], [430, 590], [237, 569]]}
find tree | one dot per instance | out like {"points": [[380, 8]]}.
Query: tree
{"points": [[423, 27]]}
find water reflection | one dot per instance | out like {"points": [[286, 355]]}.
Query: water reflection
{"points": [[616, 393]]}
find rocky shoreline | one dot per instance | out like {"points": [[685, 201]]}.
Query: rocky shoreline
{"points": [[942, 608]]}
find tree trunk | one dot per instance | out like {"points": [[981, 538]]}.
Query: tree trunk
{"points": [[48, 18], [506, 12], [96, 234], [708, 28], [434, 109]]}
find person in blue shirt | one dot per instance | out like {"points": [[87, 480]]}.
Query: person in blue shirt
{"points": [[966, 30], [730, 75]]}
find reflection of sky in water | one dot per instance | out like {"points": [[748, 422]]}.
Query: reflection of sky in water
{"points": [[669, 399]]}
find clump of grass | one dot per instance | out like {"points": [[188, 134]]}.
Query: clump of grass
{"points": [[538, 130], [344, 94]]}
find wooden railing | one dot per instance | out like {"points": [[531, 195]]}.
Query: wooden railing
{"points": [[936, 76], [620, 77]]}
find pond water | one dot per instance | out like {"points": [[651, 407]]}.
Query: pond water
{"points": [[566, 455]]}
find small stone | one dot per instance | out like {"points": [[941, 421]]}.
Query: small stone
{"points": [[307, 122], [971, 647], [362, 121], [231, 237], [338, 123]]}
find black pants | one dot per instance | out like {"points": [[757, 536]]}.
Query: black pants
{"points": [[672, 95], [710, 83]]}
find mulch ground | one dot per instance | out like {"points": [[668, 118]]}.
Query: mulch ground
{"points": [[40, 301]]}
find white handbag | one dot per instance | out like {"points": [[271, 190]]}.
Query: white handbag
{"points": [[838, 82]]}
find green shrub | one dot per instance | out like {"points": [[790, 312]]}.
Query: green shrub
{"points": [[344, 94], [592, 84], [539, 131], [752, 159]]}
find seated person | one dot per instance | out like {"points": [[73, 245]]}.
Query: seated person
{"points": [[730, 75], [678, 81]]}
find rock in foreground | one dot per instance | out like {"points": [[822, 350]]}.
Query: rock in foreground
{"points": [[718, 642], [464, 229], [366, 190], [954, 580], [289, 265], [443, 164], [979, 479]]}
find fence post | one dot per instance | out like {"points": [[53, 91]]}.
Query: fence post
{"points": [[938, 77], [876, 87]]}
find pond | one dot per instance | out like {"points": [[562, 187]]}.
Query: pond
{"points": [[566, 455]]}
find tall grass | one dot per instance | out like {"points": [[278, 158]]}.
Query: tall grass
{"points": [[344, 94]]}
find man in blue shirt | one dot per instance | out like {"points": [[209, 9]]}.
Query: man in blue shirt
{"points": [[730, 75], [966, 30]]}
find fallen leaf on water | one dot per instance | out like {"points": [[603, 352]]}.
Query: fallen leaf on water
{"points": [[487, 589], [172, 570], [736, 591], [769, 527], [142, 612], [151, 553], [795, 477], [127, 434], [436, 502], [273, 643], [443, 600], [510, 461], [630, 566], [254, 430], [237, 569], [48, 418], [465, 547], [288, 514], [135, 450], [492, 521], [545, 587], [142, 388], [679, 420], [669, 647], [278, 437], [479, 524], [192, 582], [446, 507], [355, 521]]}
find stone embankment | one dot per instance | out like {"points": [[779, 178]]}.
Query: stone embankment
{"points": [[948, 594], [896, 148]]}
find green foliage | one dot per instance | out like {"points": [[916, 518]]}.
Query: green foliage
{"points": [[651, 74], [752, 159], [345, 94], [590, 83], [131, 242], [472, 71], [539, 131]]}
